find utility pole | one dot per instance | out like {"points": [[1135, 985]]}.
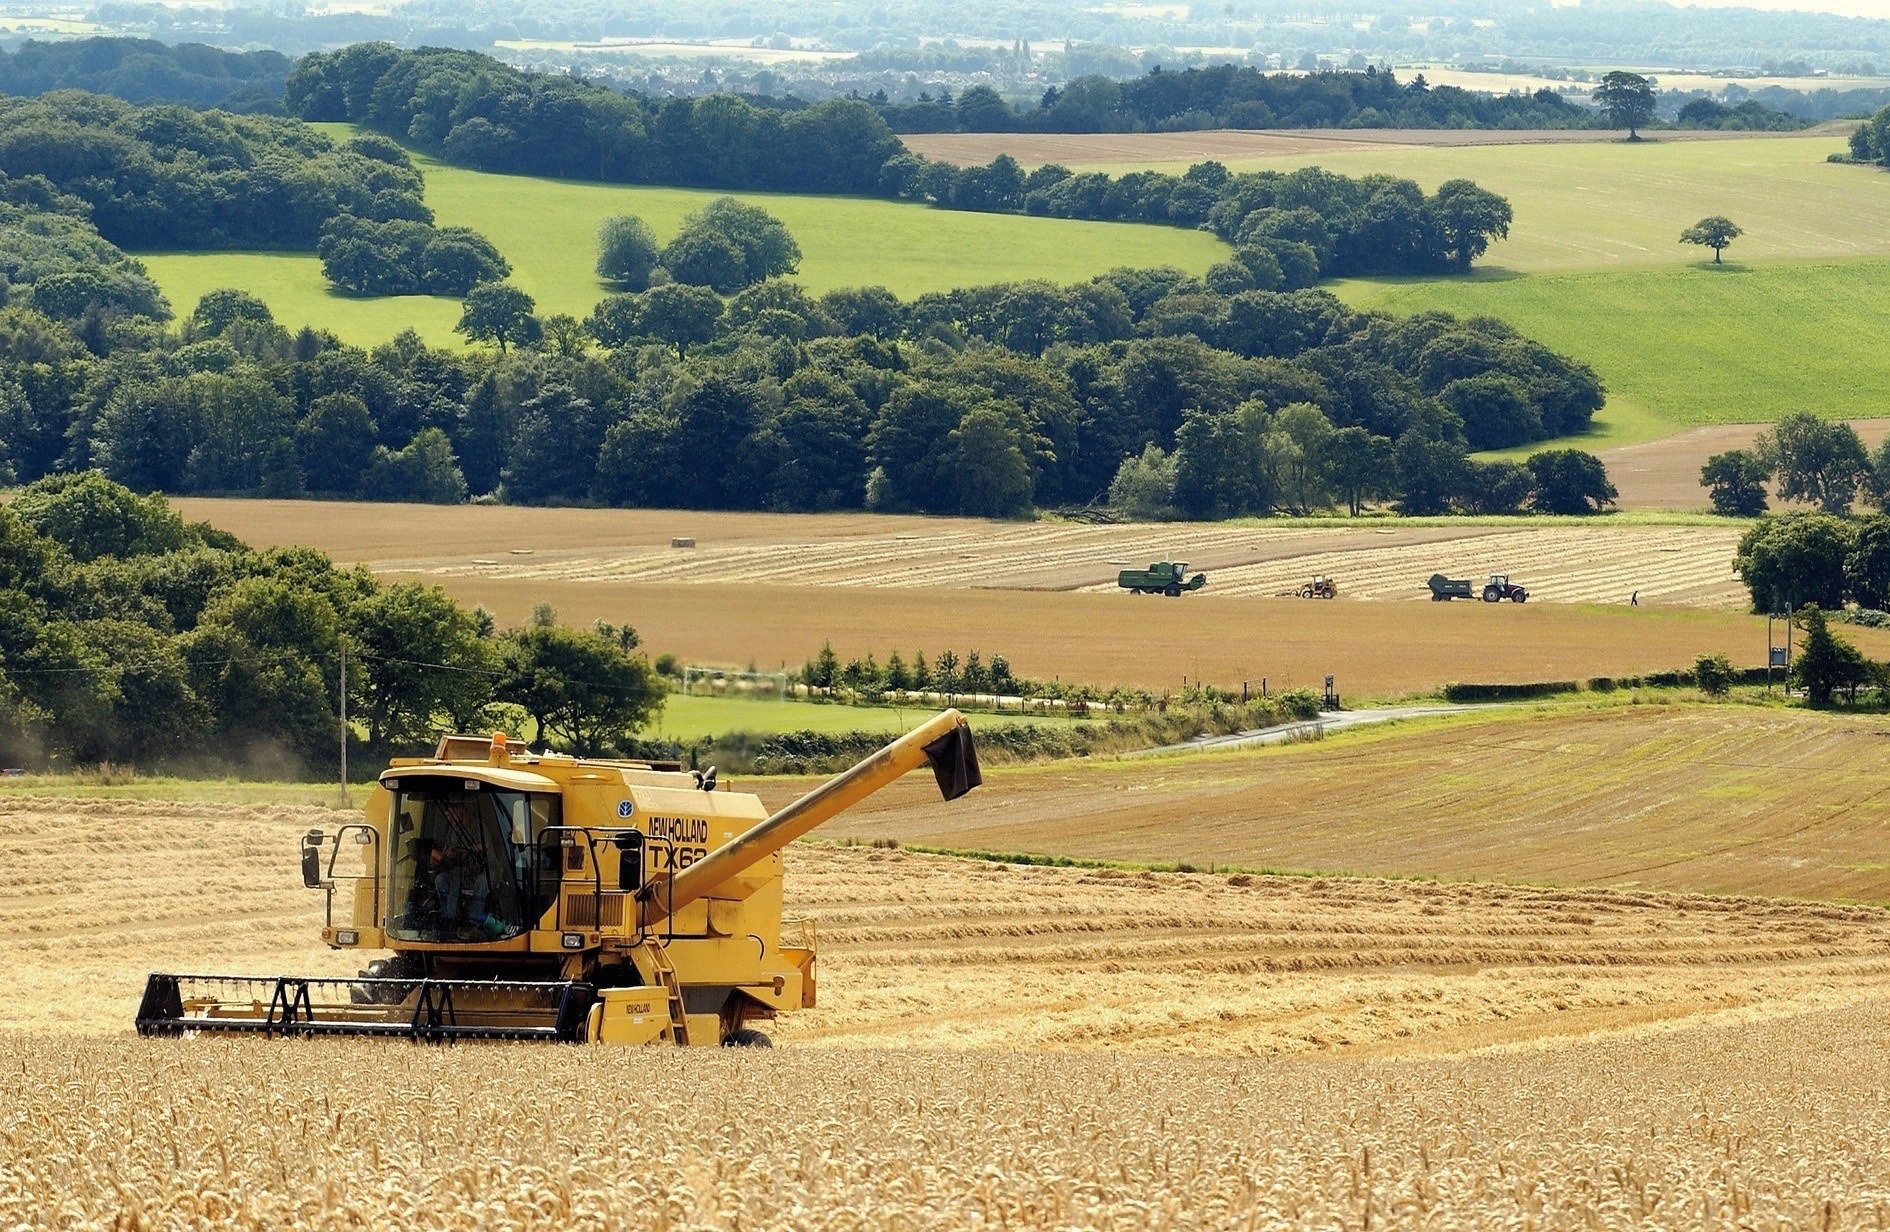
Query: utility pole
{"points": [[344, 721]]}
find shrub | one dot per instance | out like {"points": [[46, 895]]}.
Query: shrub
{"points": [[1714, 674]]}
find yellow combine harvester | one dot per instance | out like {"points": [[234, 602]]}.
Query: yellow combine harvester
{"points": [[557, 898]]}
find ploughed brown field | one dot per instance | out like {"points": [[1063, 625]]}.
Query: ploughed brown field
{"points": [[1665, 474], [1084, 149]]}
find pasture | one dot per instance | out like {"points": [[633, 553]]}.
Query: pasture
{"points": [[1593, 265], [547, 229], [697, 715], [1583, 203], [1691, 344]]}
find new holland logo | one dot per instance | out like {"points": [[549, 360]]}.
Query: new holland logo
{"points": [[626, 808]]}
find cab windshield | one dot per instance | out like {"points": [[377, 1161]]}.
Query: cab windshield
{"points": [[463, 861]]}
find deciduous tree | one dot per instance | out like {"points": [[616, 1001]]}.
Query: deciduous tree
{"points": [[1716, 233]]}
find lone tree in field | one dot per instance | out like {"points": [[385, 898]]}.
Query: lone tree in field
{"points": [[1627, 99], [1715, 233], [1571, 481], [1826, 663]]}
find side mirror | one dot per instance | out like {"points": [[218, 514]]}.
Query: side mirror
{"points": [[312, 859], [629, 861]]}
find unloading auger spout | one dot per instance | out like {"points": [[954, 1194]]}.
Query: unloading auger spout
{"points": [[945, 742]]}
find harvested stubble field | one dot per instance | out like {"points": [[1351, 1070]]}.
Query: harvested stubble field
{"points": [[1665, 474], [1562, 561], [1438, 1056], [1375, 649], [1720, 798], [769, 588], [939, 952]]}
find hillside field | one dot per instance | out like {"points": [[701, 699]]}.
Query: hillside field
{"points": [[1693, 344], [1633, 794], [1582, 203], [547, 229], [1124, 1049], [1593, 265]]}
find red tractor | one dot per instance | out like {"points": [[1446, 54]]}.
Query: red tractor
{"points": [[1501, 588]]}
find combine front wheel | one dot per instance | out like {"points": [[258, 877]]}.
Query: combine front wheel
{"points": [[747, 1037]]}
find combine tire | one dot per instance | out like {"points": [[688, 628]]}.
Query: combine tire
{"points": [[1173, 591], [399, 967], [747, 1037]]}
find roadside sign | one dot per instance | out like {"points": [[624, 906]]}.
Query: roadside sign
{"points": [[1778, 657]]}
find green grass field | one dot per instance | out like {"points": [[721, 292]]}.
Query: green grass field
{"points": [[1693, 344], [1586, 205], [1593, 267], [547, 229], [692, 718]]}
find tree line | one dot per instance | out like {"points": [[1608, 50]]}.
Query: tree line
{"points": [[1789, 560], [172, 177], [1870, 141], [130, 635], [142, 70], [1243, 96], [474, 110], [1236, 96], [986, 400], [1818, 461]]}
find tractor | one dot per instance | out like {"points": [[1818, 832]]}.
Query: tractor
{"points": [[1321, 587]]}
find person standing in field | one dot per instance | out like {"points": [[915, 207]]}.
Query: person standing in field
{"points": [[1634, 600]]}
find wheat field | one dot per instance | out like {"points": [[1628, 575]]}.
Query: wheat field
{"points": [[997, 1046], [926, 951], [1775, 1125]]}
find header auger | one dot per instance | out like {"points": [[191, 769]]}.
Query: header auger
{"points": [[538, 896]]}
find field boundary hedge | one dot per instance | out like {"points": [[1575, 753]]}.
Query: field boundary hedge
{"points": [[1532, 690]]}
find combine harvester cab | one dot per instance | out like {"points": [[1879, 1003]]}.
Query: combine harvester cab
{"points": [[555, 898]]}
